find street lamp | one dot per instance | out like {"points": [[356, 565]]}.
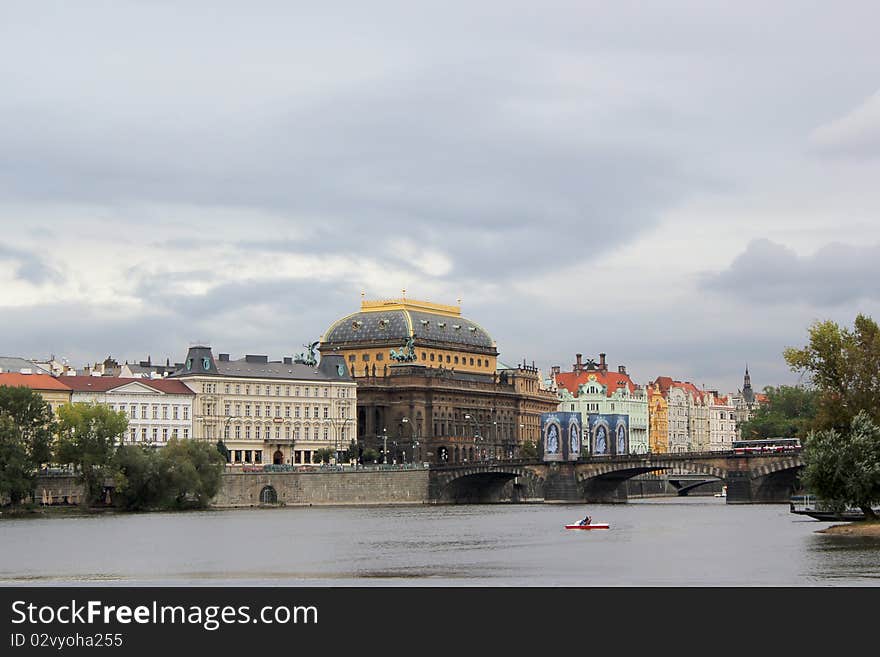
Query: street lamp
{"points": [[384, 446], [477, 436], [414, 435]]}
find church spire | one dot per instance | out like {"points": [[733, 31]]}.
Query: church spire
{"points": [[748, 393]]}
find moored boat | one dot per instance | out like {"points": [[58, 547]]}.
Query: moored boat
{"points": [[594, 525]]}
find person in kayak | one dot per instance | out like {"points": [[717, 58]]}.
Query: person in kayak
{"points": [[588, 520]]}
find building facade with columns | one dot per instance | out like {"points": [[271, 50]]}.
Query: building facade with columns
{"points": [[157, 410], [592, 388], [271, 412], [429, 385]]}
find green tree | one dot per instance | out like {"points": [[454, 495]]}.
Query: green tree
{"points": [[87, 438], [843, 469], [844, 366], [323, 455], [140, 477], [26, 434], [528, 450], [223, 449], [194, 472], [790, 411], [370, 455]]}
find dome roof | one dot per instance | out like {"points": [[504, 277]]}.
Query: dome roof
{"points": [[397, 320]]}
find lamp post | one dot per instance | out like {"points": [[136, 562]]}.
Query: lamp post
{"points": [[477, 436], [414, 435], [384, 446]]}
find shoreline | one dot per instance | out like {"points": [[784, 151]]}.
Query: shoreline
{"points": [[860, 528]]}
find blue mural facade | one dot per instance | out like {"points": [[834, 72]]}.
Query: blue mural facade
{"points": [[561, 436], [608, 434]]}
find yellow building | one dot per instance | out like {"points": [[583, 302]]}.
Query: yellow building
{"points": [[270, 412], [404, 330], [658, 421], [53, 391]]}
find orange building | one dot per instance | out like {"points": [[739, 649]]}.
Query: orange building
{"points": [[658, 420], [51, 389]]}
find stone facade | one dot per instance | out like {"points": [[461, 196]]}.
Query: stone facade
{"points": [[658, 420]]}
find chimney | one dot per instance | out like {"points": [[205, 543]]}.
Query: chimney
{"points": [[602, 365], [621, 369], [288, 360], [224, 358], [555, 370], [579, 366]]}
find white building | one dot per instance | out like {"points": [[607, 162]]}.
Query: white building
{"points": [[157, 410], [722, 422]]}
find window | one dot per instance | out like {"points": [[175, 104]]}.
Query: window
{"points": [[432, 357], [133, 412], [296, 411], [448, 358], [237, 431], [269, 411], [155, 435], [352, 358], [277, 410], [326, 412], [424, 356], [316, 412], [164, 435], [307, 412], [227, 409], [164, 412], [286, 433], [365, 357], [237, 389], [247, 410], [144, 434], [256, 410], [185, 433], [247, 456], [277, 391], [472, 361], [186, 412], [326, 434], [247, 432], [257, 432], [133, 435], [226, 389], [455, 360], [287, 410], [287, 391], [238, 456], [174, 412], [258, 456], [380, 356]]}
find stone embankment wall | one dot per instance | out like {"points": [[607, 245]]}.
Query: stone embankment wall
{"points": [[303, 488]]}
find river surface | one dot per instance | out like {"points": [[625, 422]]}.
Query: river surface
{"points": [[698, 541]]}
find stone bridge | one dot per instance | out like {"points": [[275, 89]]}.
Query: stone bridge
{"points": [[752, 478]]}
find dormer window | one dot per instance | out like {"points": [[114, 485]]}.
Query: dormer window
{"points": [[383, 323], [472, 329], [356, 324], [441, 324], [424, 323], [457, 327]]}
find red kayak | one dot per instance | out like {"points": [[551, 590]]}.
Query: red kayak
{"points": [[595, 525]]}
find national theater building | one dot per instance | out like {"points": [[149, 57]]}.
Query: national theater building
{"points": [[429, 385]]}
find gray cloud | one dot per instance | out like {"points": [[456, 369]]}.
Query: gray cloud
{"points": [[29, 266], [771, 273]]}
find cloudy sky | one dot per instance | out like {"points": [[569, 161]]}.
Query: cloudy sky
{"points": [[682, 185]]}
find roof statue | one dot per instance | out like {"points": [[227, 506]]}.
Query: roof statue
{"points": [[310, 359], [407, 353]]}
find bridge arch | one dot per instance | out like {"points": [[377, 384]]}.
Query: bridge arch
{"points": [[480, 483]]}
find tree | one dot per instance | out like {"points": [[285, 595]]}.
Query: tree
{"points": [[843, 469], [141, 480], [87, 438], [790, 411], [323, 455], [528, 450], [26, 434], [193, 470], [370, 455], [844, 365], [223, 449]]}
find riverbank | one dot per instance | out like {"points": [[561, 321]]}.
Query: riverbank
{"points": [[861, 529]]}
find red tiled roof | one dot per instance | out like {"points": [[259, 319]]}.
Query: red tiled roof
{"points": [[611, 380], [761, 397], [32, 381], [667, 382], [105, 383]]}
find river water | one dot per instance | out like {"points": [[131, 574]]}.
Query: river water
{"points": [[696, 541]]}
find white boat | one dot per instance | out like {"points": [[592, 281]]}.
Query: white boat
{"points": [[723, 492]]}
